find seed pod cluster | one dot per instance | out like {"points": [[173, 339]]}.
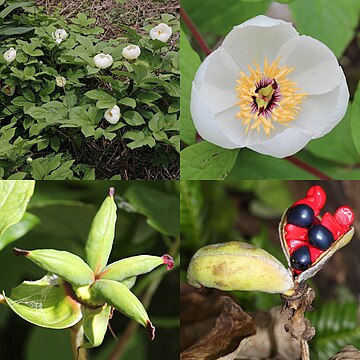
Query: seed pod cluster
{"points": [[309, 240]]}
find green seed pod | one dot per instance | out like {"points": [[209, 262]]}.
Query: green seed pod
{"points": [[95, 322], [134, 266], [121, 298], [68, 266], [238, 266], [129, 282], [101, 236], [46, 302]]}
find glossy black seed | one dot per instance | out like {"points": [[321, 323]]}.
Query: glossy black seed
{"points": [[300, 258], [320, 237], [301, 215]]}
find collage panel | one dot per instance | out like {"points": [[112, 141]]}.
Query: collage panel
{"points": [[270, 89], [89, 270], [269, 270], [89, 89]]}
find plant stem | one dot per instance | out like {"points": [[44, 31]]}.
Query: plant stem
{"points": [[304, 347], [77, 339]]}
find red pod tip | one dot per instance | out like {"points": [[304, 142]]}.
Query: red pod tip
{"points": [[19, 252], [169, 261], [150, 329]]}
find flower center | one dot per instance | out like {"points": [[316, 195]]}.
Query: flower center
{"points": [[268, 96]]}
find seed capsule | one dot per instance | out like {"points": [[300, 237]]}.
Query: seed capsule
{"points": [[238, 266], [66, 265]]}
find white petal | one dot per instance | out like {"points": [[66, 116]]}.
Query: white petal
{"points": [[321, 113], [215, 81], [204, 121], [284, 144], [340, 108], [316, 69], [256, 38]]}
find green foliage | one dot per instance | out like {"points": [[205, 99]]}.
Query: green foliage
{"points": [[332, 22], [336, 326], [11, 24], [205, 161], [188, 70], [40, 119]]}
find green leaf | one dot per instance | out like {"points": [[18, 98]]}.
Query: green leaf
{"points": [[128, 102], [45, 303], [133, 118], [14, 196], [355, 119], [251, 165], [332, 22], [191, 211], [148, 97], [333, 146], [336, 326], [205, 161], [18, 230], [212, 21], [160, 209], [188, 70], [104, 99]]}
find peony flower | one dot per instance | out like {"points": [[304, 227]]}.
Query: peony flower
{"points": [[59, 35], [10, 55], [112, 115], [269, 89], [103, 61], [161, 32], [8, 90], [60, 81], [131, 52]]}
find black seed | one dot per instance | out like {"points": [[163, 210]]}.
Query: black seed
{"points": [[301, 215], [320, 237], [300, 258]]}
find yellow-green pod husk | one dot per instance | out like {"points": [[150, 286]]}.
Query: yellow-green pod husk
{"points": [[238, 266]]}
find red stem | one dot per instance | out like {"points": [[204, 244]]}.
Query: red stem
{"points": [[299, 163], [205, 48], [197, 36]]}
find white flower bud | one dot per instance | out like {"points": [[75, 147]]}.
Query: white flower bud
{"points": [[10, 55], [60, 81], [59, 35], [131, 52], [161, 32], [112, 115], [103, 61]]}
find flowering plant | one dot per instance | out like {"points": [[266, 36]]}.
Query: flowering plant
{"points": [[65, 93], [267, 93]]}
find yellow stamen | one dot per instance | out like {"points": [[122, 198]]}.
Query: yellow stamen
{"points": [[285, 109]]}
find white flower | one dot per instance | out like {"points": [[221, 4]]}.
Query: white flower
{"points": [[10, 55], [60, 81], [112, 115], [59, 35], [269, 89], [131, 52], [103, 61], [161, 32], [8, 90]]}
